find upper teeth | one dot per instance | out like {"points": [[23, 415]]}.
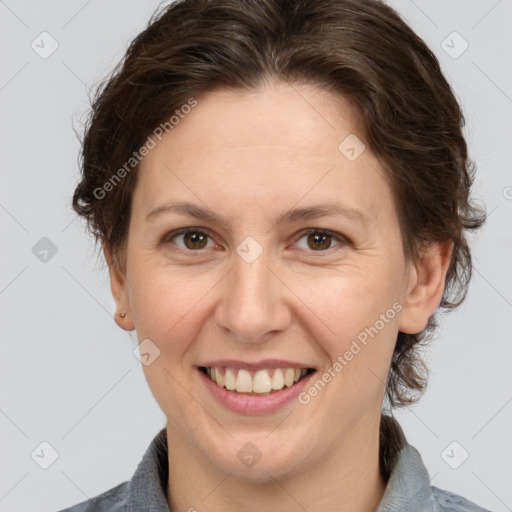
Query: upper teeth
{"points": [[262, 382]]}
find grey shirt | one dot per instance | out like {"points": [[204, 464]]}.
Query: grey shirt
{"points": [[408, 488]]}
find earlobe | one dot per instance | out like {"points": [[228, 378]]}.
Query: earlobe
{"points": [[123, 316], [425, 286]]}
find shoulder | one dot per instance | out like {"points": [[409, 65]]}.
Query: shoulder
{"points": [[446, 501], [146, 489], [108, 501]]}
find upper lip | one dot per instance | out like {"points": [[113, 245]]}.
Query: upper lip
{"points": [[260, 365]]}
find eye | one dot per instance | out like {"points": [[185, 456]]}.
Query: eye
{"points": [[193, 239], [321, 240]]}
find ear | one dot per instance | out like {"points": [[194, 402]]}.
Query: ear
{"points": [[425, 286], [119, 289]]}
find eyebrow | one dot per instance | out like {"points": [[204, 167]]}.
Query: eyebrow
{"points": [[288, 217]]}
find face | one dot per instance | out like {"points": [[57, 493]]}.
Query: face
{"points": [[299, 264]]}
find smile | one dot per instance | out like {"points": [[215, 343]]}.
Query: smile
{"points": [[260, 382]]}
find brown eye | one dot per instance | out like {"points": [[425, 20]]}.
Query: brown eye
{"points": [[191, 240], [195, 240], [320, 240]]}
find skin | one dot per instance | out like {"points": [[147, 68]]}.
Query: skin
{"points": [[249, 157]]}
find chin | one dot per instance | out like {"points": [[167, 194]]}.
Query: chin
{"points": [[250, 465]]}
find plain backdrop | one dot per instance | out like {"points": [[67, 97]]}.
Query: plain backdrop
{"points": [[68, 375]]}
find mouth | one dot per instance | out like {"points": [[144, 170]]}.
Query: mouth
{"points": [[262, 382]]}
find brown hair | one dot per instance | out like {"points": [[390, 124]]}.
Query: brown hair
{"points": [[360, 49]]}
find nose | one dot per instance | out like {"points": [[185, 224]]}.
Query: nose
{"points": [[254, 301]]}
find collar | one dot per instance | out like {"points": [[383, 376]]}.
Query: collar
{"points": [[408, 479], [147, 488]]}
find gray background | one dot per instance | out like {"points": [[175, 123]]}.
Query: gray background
{"points": [[68, 375]]}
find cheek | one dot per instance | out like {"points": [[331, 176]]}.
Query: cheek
{"points": [[353, 319], [170, 305], [167, 303], [169, 309], [343, 304]]}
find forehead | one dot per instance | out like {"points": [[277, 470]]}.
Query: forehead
{"points": [[298, 118], [267, 149]]}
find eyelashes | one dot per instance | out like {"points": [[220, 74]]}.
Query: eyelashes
{"points": [[203, 235], [319, 236], [197, 240]]}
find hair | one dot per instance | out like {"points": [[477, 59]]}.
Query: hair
{"points": [[359, 49]]}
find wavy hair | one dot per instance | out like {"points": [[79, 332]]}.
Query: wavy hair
{"points": [[359, 49]]}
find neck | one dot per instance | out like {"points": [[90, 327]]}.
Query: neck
{"points": [[348, 478]]}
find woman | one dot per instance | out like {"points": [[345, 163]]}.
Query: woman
{"points": [[281, 190]]}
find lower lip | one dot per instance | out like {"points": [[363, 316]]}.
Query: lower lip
{"points": [[253, 404]]}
